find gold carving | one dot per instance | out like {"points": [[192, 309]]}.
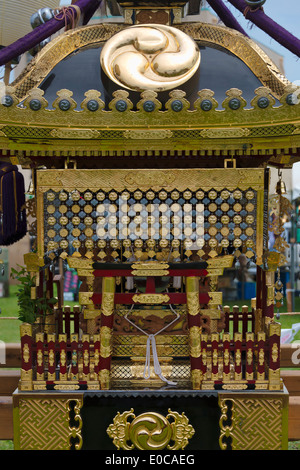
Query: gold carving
{"points": [[105, 341], [26, 355], [51, 357], [50, 416], [63, 45], [107, 306], [33, 262], [150, 298], [194, 340], [75, 133], [192, 300], [152, 134], [244, 48], [151, 268], [275, 352], [150, 431], [40, 357], [151, 57], [61, 386], [104, 376], [75, 431], [85, 298], [225, 133], [25, 329], [205, 179], [256, 423]]}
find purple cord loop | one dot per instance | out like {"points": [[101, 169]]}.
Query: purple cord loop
{"points": [[70, 14], [247, 9], [86, 8], [226, 16], [270, 27]]}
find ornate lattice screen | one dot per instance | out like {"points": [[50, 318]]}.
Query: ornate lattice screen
{"points": [[153, 214]]}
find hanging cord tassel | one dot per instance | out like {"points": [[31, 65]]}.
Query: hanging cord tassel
{"points": [[270, 27], [247, 9], [69, 14], [151, 345]]}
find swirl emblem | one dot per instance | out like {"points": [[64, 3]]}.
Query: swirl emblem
{"points": [[151, 57], [150, 431]]}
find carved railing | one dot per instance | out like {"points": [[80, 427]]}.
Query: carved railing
{"points": [[66, 359]]}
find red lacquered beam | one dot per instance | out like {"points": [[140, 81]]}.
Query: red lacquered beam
{"points": [[128, 272], [126, 298]]}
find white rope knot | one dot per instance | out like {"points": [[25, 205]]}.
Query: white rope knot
{"points": [[151, 344]]}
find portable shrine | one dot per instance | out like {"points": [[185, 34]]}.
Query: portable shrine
{"points": [[150, 142]]}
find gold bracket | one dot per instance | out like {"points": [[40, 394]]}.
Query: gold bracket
{"points": [[230, 160], [68, 161]]}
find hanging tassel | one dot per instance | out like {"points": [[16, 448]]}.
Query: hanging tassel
{"points": [[13, 224]]}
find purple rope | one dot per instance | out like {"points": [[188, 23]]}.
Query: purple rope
{"points": [[273, 29], [226, 16], [44, 31]]}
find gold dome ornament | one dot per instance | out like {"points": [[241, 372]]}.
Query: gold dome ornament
{"points": [[150, 57]]}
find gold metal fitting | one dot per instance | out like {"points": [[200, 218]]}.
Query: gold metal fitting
{"points": [[280, 186]]}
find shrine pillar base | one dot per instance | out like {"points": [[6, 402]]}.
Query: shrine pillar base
{"points": [[189, 420]]}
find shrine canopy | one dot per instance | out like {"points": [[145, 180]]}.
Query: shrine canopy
{"points": [[224, 99]]}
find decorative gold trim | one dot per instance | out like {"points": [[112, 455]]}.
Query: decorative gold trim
{"points": [[105, 341], [25, 329], [63, 45], [151, 268], [108, 295], [75, 431], [256, 422], [148, 134], [57, 50], [225, 133], [51, 417], [159, 430], [194, 340], [192, 295], [244, 48], [85, 298], [150, 298], [33, 262], [75, 133], [155, 179]]}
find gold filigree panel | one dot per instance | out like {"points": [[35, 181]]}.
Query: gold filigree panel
{"points": [[256, 423], [43, 423], [150, 431], [202, 211], [119, 180], [244, 48], [60, 47]]}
